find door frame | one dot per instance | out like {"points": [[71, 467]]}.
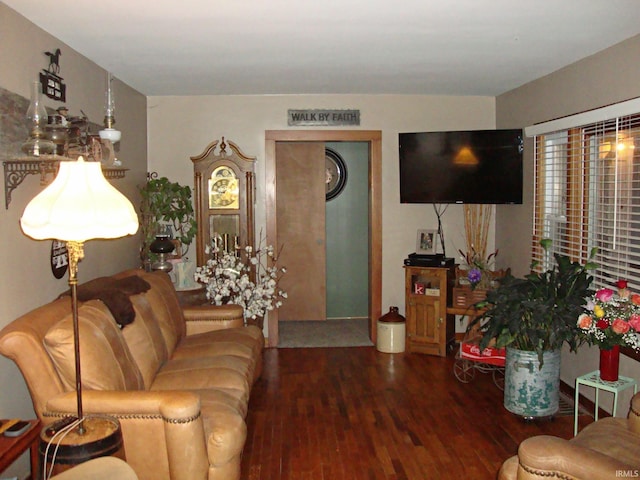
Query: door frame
{"points": [[374, 138]]}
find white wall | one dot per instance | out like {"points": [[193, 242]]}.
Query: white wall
{"points": [[25, 276], [181, 127]]}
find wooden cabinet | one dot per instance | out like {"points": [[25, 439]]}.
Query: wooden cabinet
{"points": [[429, 327]]}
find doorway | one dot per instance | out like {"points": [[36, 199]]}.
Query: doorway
{"points": [[346, 234], [373, 139]]}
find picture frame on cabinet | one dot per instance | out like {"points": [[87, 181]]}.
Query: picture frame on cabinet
{"points": [[426, 242]]}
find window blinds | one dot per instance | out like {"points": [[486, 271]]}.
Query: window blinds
{"points": [[587, 194]]}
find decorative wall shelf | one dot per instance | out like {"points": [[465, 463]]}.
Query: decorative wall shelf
{"points": [[16, 170]]}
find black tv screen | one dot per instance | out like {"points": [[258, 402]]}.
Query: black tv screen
{"points": [[477, 166]]}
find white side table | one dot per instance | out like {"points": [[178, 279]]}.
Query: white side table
{"points": [[593, 380]]}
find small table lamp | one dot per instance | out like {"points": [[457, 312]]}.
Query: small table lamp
{"points": [[79, 205]]}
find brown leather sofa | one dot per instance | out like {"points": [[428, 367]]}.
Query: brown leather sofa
{"points": [[606, 449], [178, 379]]}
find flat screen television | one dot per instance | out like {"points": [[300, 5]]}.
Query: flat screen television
{"points": [[476, 166]]}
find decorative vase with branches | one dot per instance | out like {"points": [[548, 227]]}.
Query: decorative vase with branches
{"points": [[479, 265]]}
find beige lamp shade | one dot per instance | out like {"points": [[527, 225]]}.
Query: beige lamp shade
{"points": [[79, 205]]}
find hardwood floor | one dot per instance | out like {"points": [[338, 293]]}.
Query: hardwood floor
{"points": [[355, 413]]}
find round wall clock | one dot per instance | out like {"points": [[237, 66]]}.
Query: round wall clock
{"points": [[336, 174]]}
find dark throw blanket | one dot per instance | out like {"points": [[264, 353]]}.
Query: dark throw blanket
{"points": [[114, 293]]}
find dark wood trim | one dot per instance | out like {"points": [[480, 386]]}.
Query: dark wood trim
{"points": [[374, 138], [631, 353]]}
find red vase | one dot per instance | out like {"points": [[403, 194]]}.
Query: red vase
{"points": [[609, 364]]}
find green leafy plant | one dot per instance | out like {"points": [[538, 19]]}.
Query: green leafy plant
{"points": [[538, 313], [165, 203]]}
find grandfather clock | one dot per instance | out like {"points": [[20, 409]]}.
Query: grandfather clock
{"points": [[224, 195]]}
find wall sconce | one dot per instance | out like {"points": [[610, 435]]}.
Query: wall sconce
{"points": [[109, 133]]}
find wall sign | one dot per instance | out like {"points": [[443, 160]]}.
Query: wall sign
{"points": [[51, 82], [59, 258], [323, 117]]}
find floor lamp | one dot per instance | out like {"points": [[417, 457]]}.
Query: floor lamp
{"points": [[79, 205]]}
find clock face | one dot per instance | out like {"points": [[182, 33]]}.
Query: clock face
{"points": [[335, 174], [223, 192], [223, 189]]}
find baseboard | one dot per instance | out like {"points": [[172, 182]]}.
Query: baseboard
{"points": [[583, 401], [347, 318]]}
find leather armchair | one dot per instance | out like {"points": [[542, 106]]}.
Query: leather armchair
{"points": [[606, 449]]}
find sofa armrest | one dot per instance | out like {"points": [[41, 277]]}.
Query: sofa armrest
{"points": [[169, 420], [548, 456], [634, 414], [205, 318]]}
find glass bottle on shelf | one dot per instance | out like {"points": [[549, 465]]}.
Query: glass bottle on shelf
{"points": [[38, 142]]}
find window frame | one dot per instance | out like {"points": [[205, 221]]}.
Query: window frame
{"points": [[570, 211]]}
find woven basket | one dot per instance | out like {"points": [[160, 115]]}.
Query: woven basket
{"points": [[464, 297]]}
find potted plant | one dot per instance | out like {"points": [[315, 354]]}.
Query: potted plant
{"points": [[166, 204], [533, 317]]}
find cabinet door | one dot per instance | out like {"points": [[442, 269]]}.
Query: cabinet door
{"points": [[425, 309], [426, 325]]}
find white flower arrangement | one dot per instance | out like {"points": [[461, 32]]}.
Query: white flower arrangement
{"points": [[252, 285]]}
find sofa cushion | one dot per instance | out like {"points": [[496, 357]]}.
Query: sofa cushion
{"points": [[145, 340], [219, 343], [211, 398], [166, 307], [228, 374], [249, 337], [106, 362], [612, 437], [212, 349], [158, 297]]}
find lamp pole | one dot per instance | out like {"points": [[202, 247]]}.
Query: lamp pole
{"points": [[76, 253]]}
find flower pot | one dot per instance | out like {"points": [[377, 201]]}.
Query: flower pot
{"points": [[529, 390], [609, 363]]}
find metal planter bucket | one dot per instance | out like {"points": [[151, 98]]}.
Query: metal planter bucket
{"points": [[528, 390]]}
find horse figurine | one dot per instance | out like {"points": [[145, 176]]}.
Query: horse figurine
{"points": [[54, 58]]}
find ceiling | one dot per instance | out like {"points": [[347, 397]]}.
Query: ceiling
{"points": [[229, 47]]}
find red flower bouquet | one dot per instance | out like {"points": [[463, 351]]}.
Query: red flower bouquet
{"points": [[613, 318]]}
